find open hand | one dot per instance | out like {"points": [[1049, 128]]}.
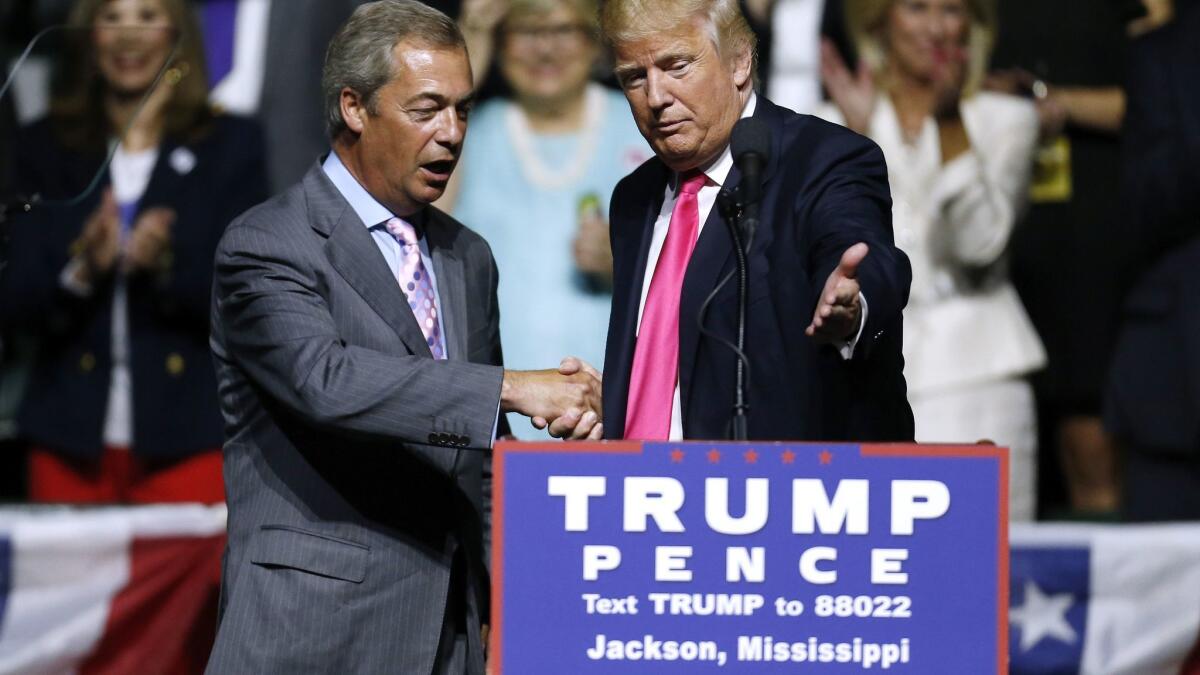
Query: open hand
{"points": [[100, 243], [852, 93], [839, 309]]}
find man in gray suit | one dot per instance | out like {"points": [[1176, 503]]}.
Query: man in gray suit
{"points": [[359, 410]]}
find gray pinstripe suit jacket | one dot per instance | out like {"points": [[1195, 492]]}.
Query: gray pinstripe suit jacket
{"points": [[355, 464]]}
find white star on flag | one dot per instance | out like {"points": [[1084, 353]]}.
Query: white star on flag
{"points": [[1042, 616]]}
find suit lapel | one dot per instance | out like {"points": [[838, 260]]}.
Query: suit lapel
{"points": [[165, 179], [450, 275], [353, 253], [711, 259], [636, 248]]}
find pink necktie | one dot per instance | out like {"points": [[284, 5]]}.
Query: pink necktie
{"points": [[656, 357], [417, 286]]}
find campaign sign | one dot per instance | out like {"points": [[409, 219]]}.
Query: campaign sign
{"points": [[749, 558]]}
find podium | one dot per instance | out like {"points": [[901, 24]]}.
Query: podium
{"points": [[711, 557]]}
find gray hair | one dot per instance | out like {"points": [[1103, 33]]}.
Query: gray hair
{"points": [[360, 54]]}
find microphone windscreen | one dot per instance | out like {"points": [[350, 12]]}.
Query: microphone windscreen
{"points": [[751, 135]]}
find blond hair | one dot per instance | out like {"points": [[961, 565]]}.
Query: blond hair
{"points": [[865, 21], [631, 20]]}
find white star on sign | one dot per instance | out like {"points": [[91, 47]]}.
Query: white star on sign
{"points": [[1042, 616]]}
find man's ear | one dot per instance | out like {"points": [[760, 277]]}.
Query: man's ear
{"points": [[354, 110], [742, 64]]}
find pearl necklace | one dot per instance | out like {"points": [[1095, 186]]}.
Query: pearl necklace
{"points": [[557, 178]]}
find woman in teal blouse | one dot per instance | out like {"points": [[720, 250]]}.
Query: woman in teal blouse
{"points": [[535, 178]]}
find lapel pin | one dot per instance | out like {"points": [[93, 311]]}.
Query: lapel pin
{"points": [[183, 161]]}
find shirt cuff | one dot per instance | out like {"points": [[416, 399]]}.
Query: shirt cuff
{"points": [[495, 425], [847, 350], [69, 279]]}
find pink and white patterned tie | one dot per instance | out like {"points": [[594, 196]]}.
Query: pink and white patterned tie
{"points": [[417, 286]]}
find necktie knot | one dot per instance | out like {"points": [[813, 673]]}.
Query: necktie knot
{"points": [[691, 182], [402, 231]]}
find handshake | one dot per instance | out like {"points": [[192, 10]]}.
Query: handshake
{"points": [[567, 400]]}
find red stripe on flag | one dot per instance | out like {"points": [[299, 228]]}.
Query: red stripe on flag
{"points": [[164, 620]]}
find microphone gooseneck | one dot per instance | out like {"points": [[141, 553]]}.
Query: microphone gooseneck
{"points": [[750, 145]]}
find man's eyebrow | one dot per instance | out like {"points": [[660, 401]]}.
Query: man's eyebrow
{"points": [[627, 69], [667, 58]]}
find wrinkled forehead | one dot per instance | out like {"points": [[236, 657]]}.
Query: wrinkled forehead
{"points": [[419, 60]]}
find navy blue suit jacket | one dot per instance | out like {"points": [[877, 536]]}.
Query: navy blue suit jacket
{"points": [[1154, 381], [825, 190], [175, 410]]}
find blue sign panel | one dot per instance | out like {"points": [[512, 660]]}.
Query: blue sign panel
{"points": [[749, 558]]}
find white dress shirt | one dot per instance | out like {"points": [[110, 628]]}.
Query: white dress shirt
{"points": [[716, 173]]}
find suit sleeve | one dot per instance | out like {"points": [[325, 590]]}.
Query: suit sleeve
{"points": [[278, 328], [502, 428], [852, 204]]}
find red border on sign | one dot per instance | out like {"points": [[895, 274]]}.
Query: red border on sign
{"points": [[499, 455], [502, 448], [982, 451]]}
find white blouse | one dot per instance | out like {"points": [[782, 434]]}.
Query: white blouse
{"points": [[964, 323]]}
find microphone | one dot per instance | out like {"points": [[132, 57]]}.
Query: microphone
{"points": [[750, 146], [751, 149]]}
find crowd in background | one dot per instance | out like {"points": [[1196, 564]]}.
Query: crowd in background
{"points": [[1044, 160]]}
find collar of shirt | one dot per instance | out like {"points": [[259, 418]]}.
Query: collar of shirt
{"points": [[369, 210]]}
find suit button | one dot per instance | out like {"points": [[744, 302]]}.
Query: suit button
{"points": [[444, 438], [464, 441], [174, 364], [87, 362], [433, 439]]}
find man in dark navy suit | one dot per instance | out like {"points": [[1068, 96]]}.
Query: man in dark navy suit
{"points": [[1153, 403], [826, 283]]}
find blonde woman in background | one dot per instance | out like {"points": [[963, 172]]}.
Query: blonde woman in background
{"points": [[537, 171], [959, 162]]}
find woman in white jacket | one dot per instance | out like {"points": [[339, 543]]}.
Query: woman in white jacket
{"points": [[959, 162]]}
